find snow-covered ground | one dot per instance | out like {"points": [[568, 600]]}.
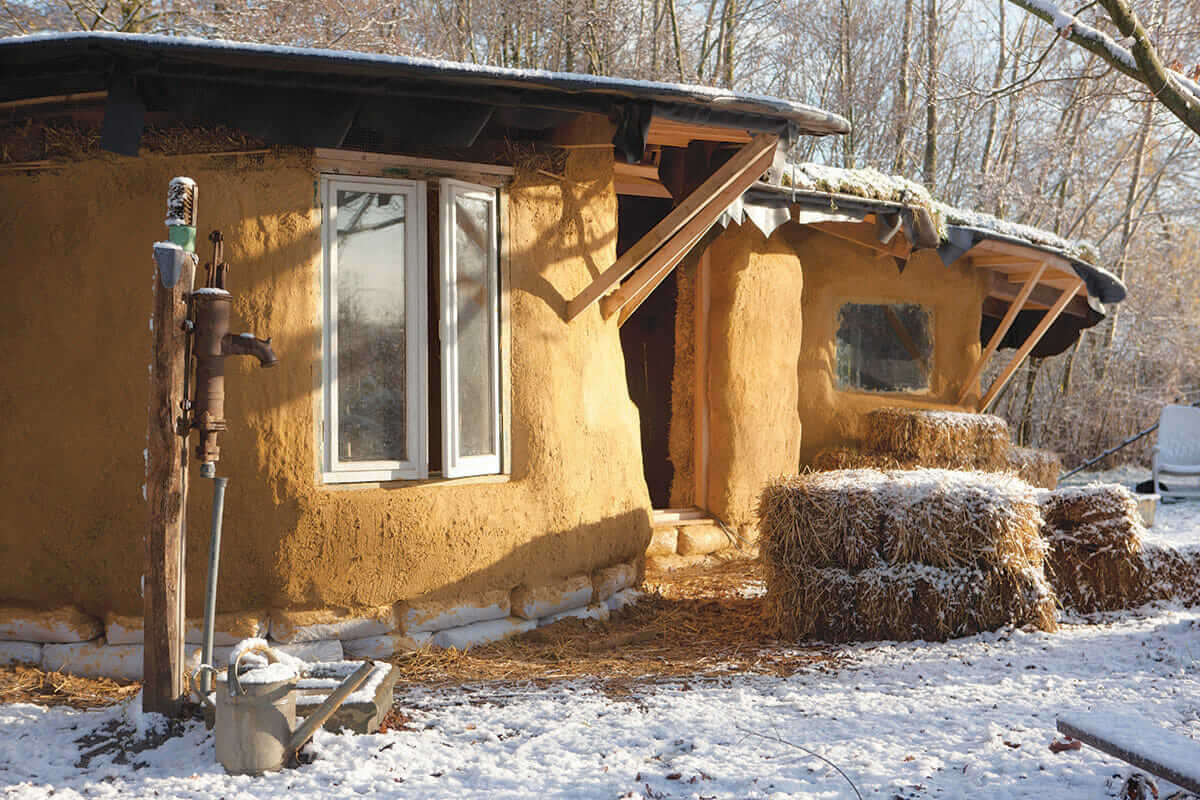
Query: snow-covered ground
{"points": [[971, 718]]}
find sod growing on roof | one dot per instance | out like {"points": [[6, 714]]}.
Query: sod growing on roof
{"points": [[905, 554]]}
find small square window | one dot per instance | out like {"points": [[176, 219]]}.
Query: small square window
{"points": [[884, 347]]}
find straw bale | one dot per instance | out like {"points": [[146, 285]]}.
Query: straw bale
{"points": [[855, 519], [1095, 538], [834, 458], [903, 554], [1098, 561], [1038, 468], [941, 439], [906, 602], [1172, 574]]}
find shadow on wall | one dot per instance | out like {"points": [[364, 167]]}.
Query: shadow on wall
{"points": [[72, 518]]}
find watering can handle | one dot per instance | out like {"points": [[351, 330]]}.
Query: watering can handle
{"points": [[231, 674], [323, 712], [194, 685]]}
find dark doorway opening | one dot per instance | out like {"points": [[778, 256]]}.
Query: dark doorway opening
{"points": [[648, 342]]}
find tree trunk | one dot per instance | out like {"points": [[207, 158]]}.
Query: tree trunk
{"points": [[931, 89], [902, 91], [997, 81]]}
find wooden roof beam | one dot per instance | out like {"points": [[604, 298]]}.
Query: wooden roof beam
{"points": [[1041, 298], [737, 171], [864, 234], [634, 292]]}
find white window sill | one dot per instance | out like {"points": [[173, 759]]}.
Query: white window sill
{"points": [[368, 480]]}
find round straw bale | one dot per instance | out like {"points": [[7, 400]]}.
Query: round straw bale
{"points": [[944, 439]]}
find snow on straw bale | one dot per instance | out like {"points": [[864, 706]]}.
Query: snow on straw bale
{"points": [[1038, 468], [902, 554], [1095, 538], [1097, 559], [944, 439]]}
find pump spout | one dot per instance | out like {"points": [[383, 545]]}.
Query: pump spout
{"points": [[247, 344]]}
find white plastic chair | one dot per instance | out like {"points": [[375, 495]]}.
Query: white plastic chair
{"points": [[1178, 450]]}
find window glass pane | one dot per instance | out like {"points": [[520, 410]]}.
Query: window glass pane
{"points": [[473, 242], [884, 348], [371, 356]]}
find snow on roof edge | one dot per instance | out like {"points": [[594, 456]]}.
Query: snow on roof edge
{"points": [[822, 121], [871, 184]]}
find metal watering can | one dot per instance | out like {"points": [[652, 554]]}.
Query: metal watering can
{"points": [[256, 721]]}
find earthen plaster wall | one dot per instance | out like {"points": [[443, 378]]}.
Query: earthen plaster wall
{"points": [[755, 326], [77, 277], [837, 272]]}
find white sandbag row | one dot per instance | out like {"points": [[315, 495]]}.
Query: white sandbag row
{"points": [[67, 639], [20, 653], [228, 629], [323, 624], [57, 625]]}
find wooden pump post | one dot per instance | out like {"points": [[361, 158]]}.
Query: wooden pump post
{"points": [[166, 464]]}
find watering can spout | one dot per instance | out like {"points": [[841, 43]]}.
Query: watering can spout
{"points": [[332, 703]]}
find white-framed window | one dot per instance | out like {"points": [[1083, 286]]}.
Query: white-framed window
{"points": [[379, 294]]}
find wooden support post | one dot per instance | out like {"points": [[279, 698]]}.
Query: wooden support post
{"points": [[1033, 339], [1014, 308], [166, 495], [700, 370], [634, 291], [733, 170]]}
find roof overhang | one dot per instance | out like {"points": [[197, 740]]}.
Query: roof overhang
{"points": [[312, 97]]}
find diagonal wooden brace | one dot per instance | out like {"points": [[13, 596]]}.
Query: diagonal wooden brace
{"points": [[1010, 317], [1038, 332], [738, 171]]}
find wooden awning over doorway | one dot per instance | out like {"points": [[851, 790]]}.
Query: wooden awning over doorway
{"points": [[650, 260]]}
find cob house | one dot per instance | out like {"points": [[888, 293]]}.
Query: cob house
{"points": [[525, 323]]}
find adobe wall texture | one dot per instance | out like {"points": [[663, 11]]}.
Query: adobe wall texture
{"points": [[836, 272], [754, 346], [772, 399], [78, 281]]}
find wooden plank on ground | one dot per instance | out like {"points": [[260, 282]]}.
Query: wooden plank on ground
{"points": [[1163, 753], [1030, 342], [729, 172], [1013, 309]]}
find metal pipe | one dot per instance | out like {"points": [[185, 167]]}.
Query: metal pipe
{"points": [[1110, 451], [210, 588]]}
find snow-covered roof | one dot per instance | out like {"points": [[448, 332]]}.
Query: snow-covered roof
{"points": [[806, 119], [824, 185], [871, 184]]}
